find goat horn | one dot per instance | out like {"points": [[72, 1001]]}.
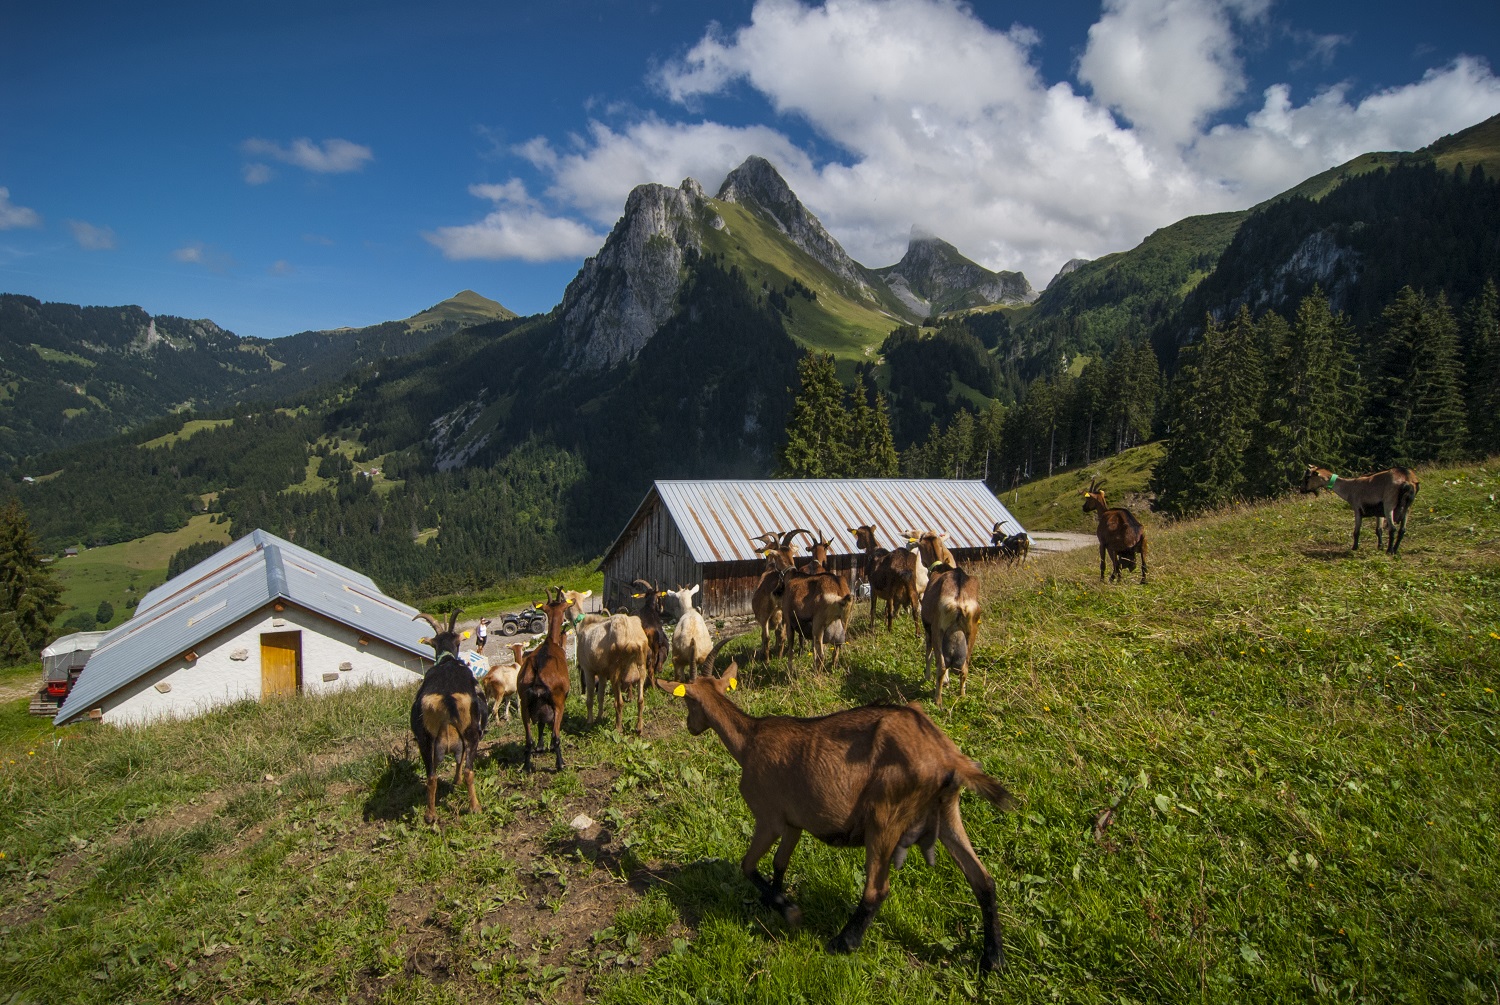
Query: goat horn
{"points": [[427, 618], [786, 539], [708, 660], [453, 618]]}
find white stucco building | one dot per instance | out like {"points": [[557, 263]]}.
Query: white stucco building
{"points": [[261, 617]]}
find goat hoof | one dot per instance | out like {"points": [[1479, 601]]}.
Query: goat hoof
{"points": [[843, 944], [792, 915], [992, 960]]}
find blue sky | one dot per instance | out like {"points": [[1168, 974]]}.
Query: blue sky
{"points": [[284, 166]]}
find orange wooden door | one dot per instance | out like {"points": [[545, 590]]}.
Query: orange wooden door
{"points": [[280, 663]]}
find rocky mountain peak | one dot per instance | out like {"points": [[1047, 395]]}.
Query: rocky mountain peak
{"points": [[758, 185], [934, 276], [625, 293]]}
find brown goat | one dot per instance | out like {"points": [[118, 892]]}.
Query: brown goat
{"points": [[934, 548], [897, 577], [950, 622], [1121, 535], [654, 625], [1386, 495], [882, 776], [448, 714], [811, 604], [543, 679]]}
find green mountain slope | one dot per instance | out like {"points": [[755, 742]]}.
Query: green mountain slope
{"points": [[1127, 294], [71, 374]]}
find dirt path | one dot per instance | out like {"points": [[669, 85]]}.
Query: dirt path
{"points": [[1061, 540]]}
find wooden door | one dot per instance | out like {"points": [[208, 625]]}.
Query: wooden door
{"points": [[280, 663]]}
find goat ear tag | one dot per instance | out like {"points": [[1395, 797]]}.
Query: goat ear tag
{"points": [[467, 634], [733, 683], [680, 691]]}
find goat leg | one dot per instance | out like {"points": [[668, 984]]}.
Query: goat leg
{"points": [[771, 894], [557, 740], [1101, 561], [469, 777], [956, 840], [878, 854], [526, 728], [1358, 519]]}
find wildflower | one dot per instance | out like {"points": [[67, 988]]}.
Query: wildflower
{"points": [[1046, 708], [1400, 663], [1494, 636], [1309, 629], [1488, 690], [30, 753]]}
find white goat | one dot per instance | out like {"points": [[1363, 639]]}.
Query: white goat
{"points": [[691, 641], [499, 682]]}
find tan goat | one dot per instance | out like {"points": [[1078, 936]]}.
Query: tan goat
{"points": [[1386, 495], [950, 623], [613, 650]]}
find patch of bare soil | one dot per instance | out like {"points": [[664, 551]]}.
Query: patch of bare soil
{"points": [[553, 934]]}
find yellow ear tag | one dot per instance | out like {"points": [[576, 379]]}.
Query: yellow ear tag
{"points": [[679, 691], [467, 634], [734, 682]]}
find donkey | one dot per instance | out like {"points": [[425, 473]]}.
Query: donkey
{"points": [[1385, 495]]}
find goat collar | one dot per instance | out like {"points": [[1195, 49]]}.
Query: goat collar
{"points": [[1331, 479]]}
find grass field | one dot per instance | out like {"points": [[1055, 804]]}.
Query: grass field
{"points": [[117, 572], [1056, 503], [1299, 744], [188, 430]]}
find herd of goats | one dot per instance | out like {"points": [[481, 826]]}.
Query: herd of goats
{"points": [[884, 777]]}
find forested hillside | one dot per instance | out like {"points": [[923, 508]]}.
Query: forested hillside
{"points": [[71, 374]]}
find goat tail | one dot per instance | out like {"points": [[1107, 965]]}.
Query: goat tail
{"points": [[972, 776], [1404, 498]]}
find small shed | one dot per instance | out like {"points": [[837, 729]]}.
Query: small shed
{"points": [[259, 618], [687, 532]]}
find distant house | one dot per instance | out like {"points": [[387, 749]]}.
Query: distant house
{"points": [[687, 532], [261, 617], [70, 553]]}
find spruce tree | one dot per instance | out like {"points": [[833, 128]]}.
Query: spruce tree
{"points": [[1418, 408], [1314, 401], [1216, 408], [818, 434], [872, 451], [1481, 338], [29, 597]]}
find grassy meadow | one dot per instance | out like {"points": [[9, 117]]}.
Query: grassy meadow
{"points": [[119, 572], [1056, 503], [1270, 774]]}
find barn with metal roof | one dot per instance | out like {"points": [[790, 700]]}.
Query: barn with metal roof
{"points": [[687, 532], [260, 617]]}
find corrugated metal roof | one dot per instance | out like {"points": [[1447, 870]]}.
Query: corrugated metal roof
{"points": [[224, 588], [719, 518]]}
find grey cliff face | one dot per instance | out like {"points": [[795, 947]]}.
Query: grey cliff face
{"points": [[624, 294], [756, 183], [933, 273]]}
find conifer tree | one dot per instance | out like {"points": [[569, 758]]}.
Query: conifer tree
{"points": [[872, 450], [1218, 395], [1313, 404], [1481, 337], [29, 597], [1419, 406], [818, 434]]}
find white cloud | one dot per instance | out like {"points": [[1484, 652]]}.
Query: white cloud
{"points": [[92, 238], [517, 228], [198, 253], [257, 173], [923, 114], [333, 156], [12, 216], [1166, 65], [281, 267]]}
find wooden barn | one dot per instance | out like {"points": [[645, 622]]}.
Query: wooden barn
{"points": [[687, 532]]}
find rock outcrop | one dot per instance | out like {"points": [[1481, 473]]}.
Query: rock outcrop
{"points": [[757, 184], [623, 295], [934, 276]]}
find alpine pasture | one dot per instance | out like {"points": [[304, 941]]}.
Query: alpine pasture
{"points": [[1270, 774]]}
